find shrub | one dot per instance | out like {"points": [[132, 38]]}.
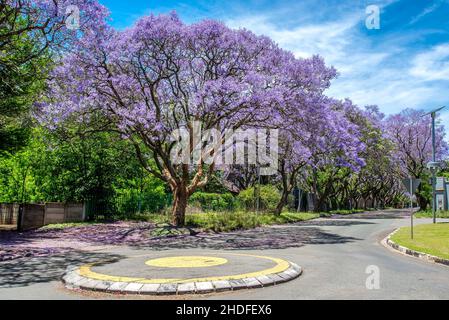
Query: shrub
{"points": [[212, 201], [223, 221], [346, 212], [130, 201], [229, 221], [138, 196], [269, 198]]}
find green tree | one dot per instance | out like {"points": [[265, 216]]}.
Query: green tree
{"points": [[21, 79], [71, 165]]}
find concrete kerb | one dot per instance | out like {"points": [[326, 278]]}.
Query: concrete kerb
{"points": [[387, 242], [73, 280]]}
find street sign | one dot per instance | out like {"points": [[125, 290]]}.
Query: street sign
{"points": [[439, 184], [411, 183]]}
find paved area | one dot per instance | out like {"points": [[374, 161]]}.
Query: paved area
{"points": [[161, 274], [334, 254]]}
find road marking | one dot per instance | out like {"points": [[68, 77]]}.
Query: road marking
{"points": [[186, 262], [280, 266]]}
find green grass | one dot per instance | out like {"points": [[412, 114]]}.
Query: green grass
{"points": [[61, 226], [229, 221], [428, 214], [212, 221], [428, 238], [150, 217], [345, 212]]}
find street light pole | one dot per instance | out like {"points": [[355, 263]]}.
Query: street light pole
{"points": [[433, 166], [434, 211]]}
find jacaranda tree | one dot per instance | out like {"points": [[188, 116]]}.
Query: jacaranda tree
{"points": [[161, 75], [315, 134], [31, 31], [410, 132]]}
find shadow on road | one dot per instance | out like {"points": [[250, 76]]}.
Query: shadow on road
{"points": [[28, 271], [333, 223], [280, 237], [385, 214], [37, 269]]}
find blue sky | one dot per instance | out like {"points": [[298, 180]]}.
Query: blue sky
{"points": [[403, 64]]}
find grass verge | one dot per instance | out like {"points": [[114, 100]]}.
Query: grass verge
{"points": [[346, 212], [428, 214], [61, 226], [229, 221], [212, 221], [432, 239]]}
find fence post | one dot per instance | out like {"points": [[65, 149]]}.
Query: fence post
{"points": [[20, 218], [45, 213], [84, 211]]}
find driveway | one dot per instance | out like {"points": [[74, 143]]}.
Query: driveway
{"points": [[334, 253]]}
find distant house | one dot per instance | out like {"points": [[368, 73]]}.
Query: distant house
{"points": [[442, 193]]}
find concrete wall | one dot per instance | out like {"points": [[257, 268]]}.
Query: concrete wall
{"points": [[9, 213], [33, 216], [447, 195], [442, 194], [74, 212], [54, 213], [441, 201]]}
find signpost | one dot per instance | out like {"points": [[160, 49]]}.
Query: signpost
{"points": [[433, 165], [411, 185]]}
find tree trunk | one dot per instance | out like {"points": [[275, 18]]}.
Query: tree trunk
{"points": [[319, 204], [422, 201], [282, 203], [285, 188], [179, 206]]}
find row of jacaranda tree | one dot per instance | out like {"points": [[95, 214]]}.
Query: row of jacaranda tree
{"points": [[161, 75]]}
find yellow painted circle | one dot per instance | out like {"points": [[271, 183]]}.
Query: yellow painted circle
{"points": [[280, 266], [186, 262]]}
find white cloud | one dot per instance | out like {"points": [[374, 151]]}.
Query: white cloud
{"points": [[385, 73], [327, 39], [432, 64], [444, 117], [304, 41], [427, 11], [338, 43]]}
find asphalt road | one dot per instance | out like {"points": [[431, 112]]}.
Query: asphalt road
{"points": [[334, 254]]}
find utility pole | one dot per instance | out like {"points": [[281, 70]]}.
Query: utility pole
{"points": [[411, 206], [433, 166], [434, 205]]}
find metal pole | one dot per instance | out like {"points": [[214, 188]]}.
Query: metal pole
{"points": [[258, 189], [139, 203], [434, 211], [433, 171]]}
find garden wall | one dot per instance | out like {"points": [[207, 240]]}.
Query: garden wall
{"points": [[8, 213], [33, 216]]}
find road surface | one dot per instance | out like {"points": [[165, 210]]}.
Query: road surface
{"points": [[334, 254]]}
